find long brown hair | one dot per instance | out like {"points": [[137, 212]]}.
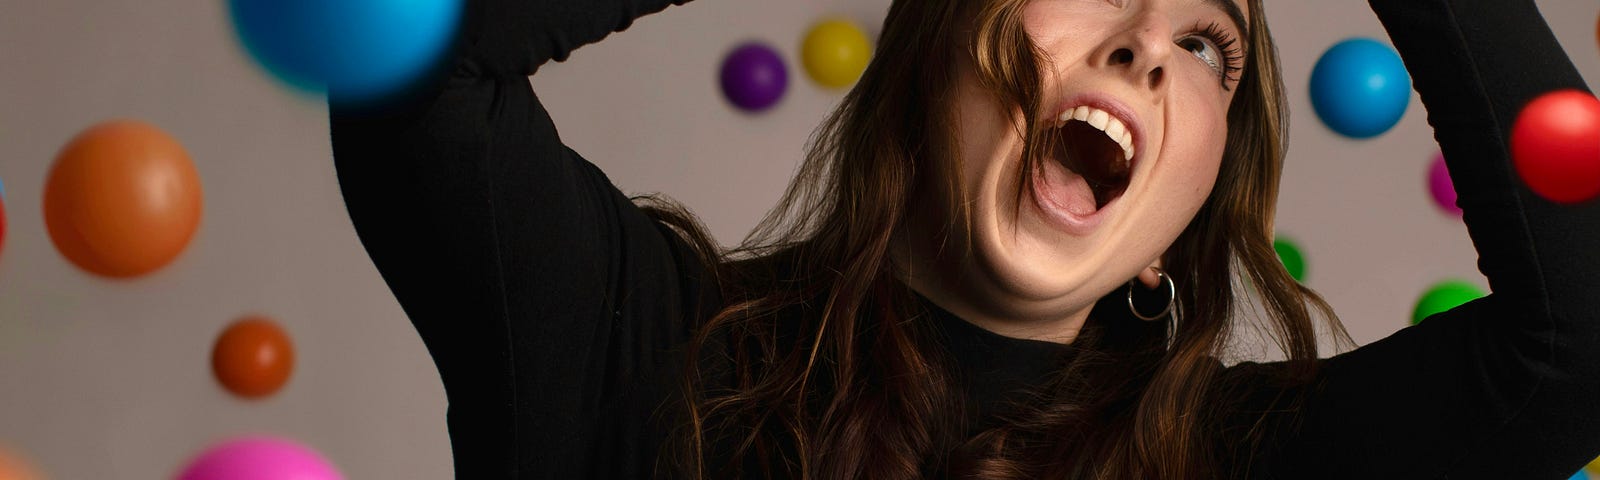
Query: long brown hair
{"points": [[818, 362]]}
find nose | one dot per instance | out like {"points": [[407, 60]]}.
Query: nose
{"points": [[1141, 50]]}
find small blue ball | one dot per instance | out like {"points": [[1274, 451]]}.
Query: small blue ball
{"points": [[359, 50], [1360, 88], [754, 77]]}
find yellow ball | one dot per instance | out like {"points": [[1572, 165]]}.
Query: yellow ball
{"points": [[1593, 466], [835, 52]]}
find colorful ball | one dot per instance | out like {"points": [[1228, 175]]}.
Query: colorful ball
{"points": [[253, 358], [1593, 466], [260, 458], [1360, 88], [356, 50], [754, 77], [2, 226], [1579, 476], [122, 199], [1444, 296], [1292, 259], [14, 467], [1555, 145], [1442, 187], [835, 52]]}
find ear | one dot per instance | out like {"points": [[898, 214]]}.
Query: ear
{"points": [[1149, 277]]}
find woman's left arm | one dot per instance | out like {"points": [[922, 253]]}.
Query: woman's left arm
{"points": [[1507, 386]]}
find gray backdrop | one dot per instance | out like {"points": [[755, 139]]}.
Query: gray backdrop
{"points": [[111, 379]]}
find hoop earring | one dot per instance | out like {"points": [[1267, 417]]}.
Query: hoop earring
{"points": [[1173, 311], [1172, 297]]}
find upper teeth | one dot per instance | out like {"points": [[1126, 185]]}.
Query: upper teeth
{"points": [[1106, 122]]}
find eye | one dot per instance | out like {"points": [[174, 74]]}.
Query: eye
{"points": [[1205, 51], [1217, 49]]}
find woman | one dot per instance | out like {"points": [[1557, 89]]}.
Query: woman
{"points": [[950, 287]]}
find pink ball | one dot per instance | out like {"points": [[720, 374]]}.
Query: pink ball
{"points": [[1439, 184], [260, 458]]}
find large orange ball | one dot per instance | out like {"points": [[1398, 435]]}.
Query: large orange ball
{"points": [[13, 467], [122, 199], [253, 358]]}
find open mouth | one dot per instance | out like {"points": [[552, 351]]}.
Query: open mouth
{"points": [[1098, 147]]}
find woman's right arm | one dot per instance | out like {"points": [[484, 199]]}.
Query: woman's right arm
{"points": [[544, 296]]}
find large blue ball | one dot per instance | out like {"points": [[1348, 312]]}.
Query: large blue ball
{"points": [[1360, 88], [360, 50]]}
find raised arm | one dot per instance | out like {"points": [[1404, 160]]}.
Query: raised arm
{"points": [[546, 299], [515, 37], [1505, 386]]}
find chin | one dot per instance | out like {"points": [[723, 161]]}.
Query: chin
{"points": [[1030, 270]]}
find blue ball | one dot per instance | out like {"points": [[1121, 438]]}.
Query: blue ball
{"points": [[357, 50], [754, 77], [1360, 88], [1579, 476]]}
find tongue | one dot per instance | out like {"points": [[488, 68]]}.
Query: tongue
{"points": [[1068, 190]]}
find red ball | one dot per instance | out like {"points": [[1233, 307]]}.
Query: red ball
{"points": [[1555, 146]]}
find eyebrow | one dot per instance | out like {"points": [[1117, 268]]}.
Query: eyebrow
{"points": [[1233, 13]]}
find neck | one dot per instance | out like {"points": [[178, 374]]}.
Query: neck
{"points": [[950, 280]]}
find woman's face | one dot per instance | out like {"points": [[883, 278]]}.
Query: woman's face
{"points": [[1144, 88]]}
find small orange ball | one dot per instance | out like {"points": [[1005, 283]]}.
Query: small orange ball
{"points": [[122, 199], [253, 358]]}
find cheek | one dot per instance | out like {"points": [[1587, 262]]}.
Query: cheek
{"points": [[1205, 135], [1198, 137], [987, 133]]}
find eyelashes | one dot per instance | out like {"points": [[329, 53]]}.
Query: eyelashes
{"points": [[1232, 54]]}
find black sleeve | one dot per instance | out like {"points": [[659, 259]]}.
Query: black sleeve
{"points": [[1504, 386], [549, 302]]}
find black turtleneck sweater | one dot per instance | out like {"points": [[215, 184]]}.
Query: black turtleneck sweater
{"points": [[553, 307]]}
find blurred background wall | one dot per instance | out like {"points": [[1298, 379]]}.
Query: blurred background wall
{"points": [[108, 378]]}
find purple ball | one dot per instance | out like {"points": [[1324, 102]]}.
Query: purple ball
{"points": [[259, 458], [754, 77], [1439, 184]]}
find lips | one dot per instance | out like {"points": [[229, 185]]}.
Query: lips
{"points": [[1090, 165]]}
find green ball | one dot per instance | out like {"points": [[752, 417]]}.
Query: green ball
{"points": [[1444, 296], [1292, 260]]}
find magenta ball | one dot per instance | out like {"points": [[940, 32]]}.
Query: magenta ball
{"points": [[754, 77], [1439, 184], [260, 458]]}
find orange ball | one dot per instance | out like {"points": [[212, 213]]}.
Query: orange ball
{"points": [[253, 358], [13, 467], [122, 199]]}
